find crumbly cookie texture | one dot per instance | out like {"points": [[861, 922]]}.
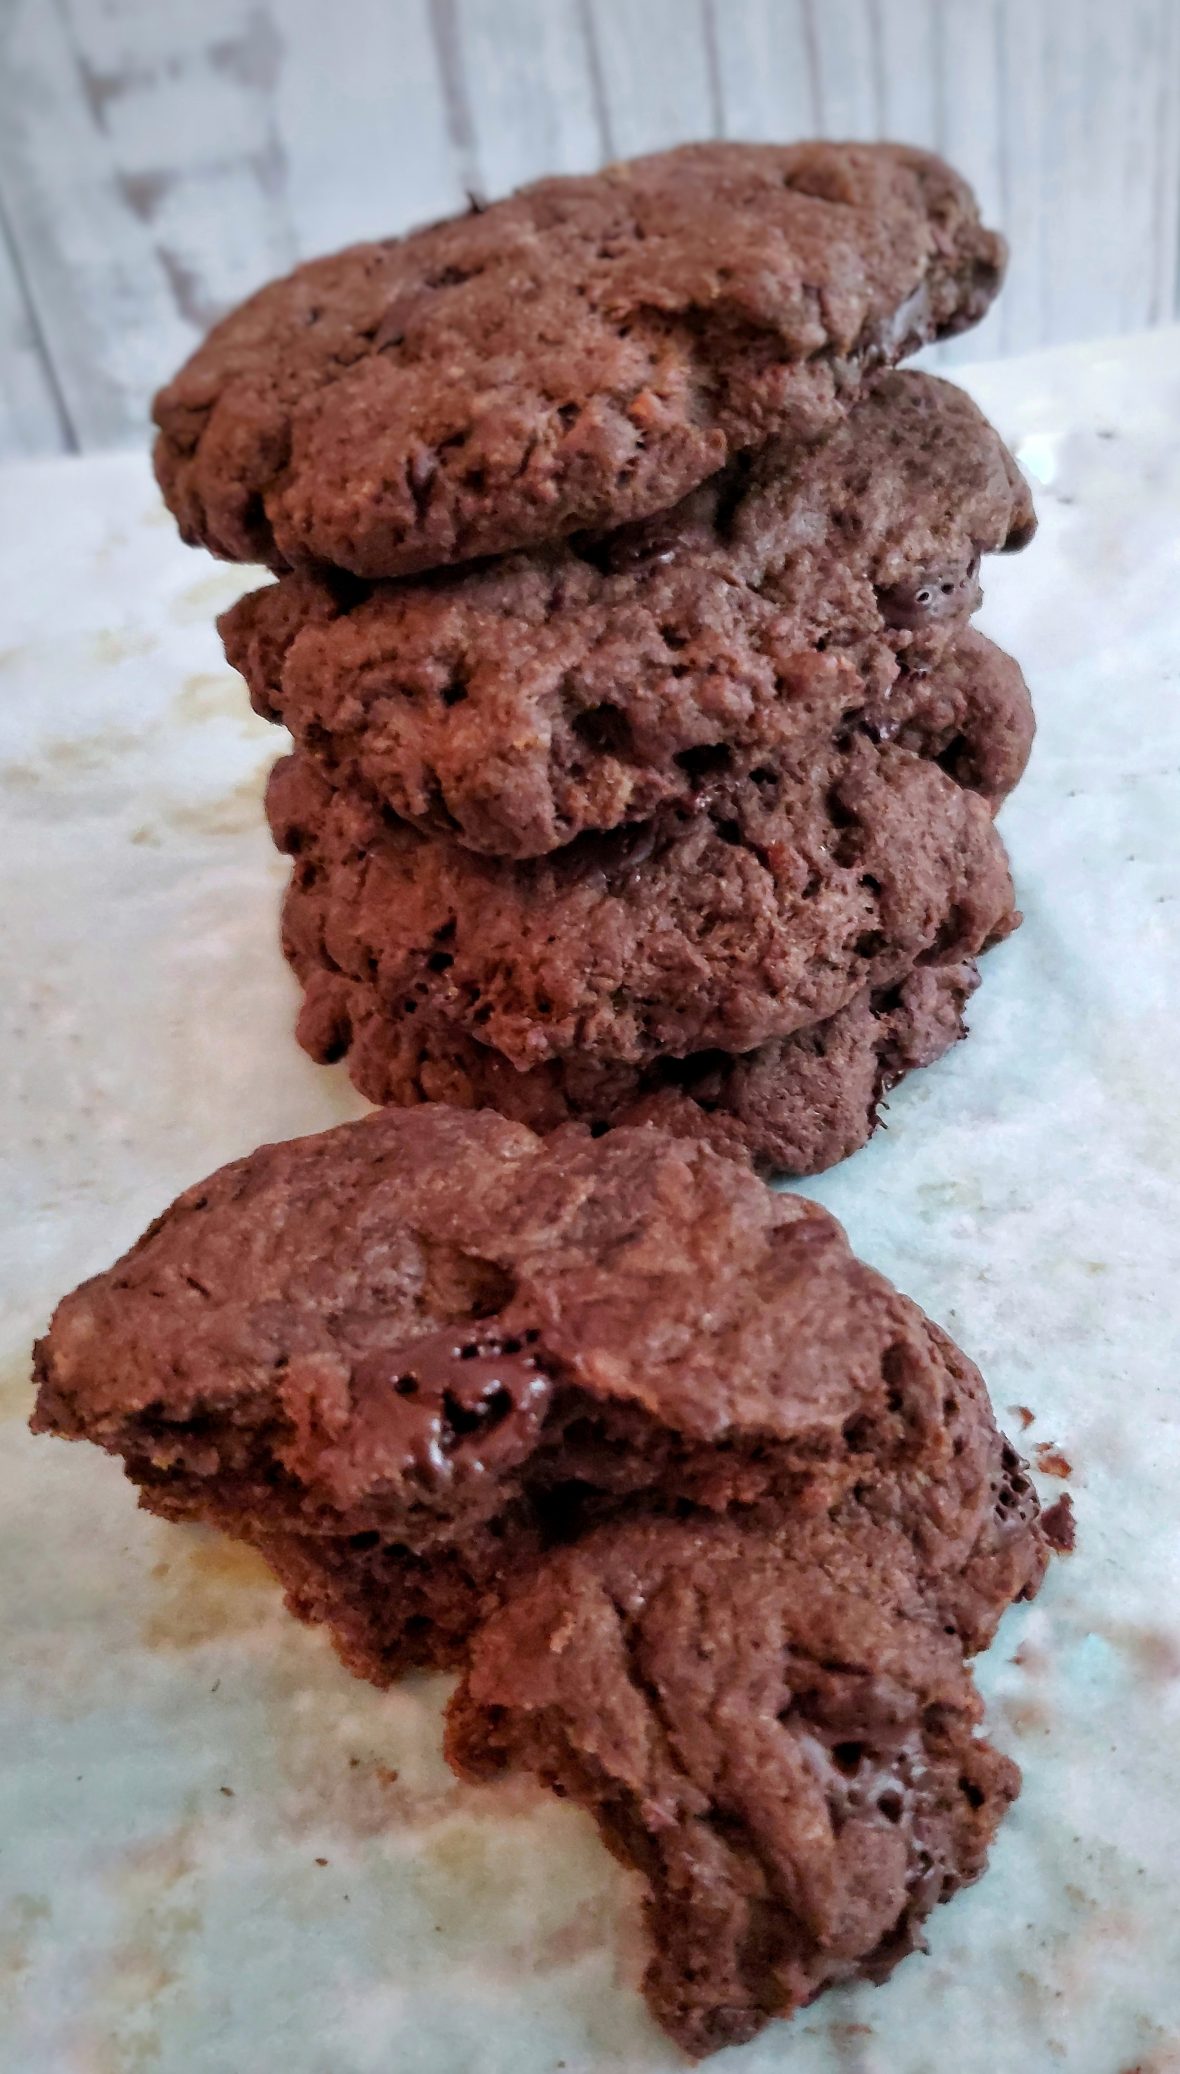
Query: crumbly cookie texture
{"points": [[794, 1106], [513, 705], [791, 1105], [775, 1734], [581, 354], [430, 1331], [763, 909]]}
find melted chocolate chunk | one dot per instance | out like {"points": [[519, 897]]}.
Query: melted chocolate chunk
{"points": [[455, 1397]]}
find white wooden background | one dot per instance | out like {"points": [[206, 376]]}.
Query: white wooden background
{"points": [[158, 158]]}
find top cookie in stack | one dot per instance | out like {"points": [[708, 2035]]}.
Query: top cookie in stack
{"points": [[578, 356], [645, 759]]}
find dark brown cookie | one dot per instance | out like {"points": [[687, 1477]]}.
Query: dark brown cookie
{"points": [[430, 1330], [775, 1734], [971, 712], [388, 1609], [516, 704], [764, 909], [794, 1106], [581, 354]]}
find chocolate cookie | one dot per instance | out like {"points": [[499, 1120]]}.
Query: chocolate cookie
{"points": [[431, 1330], [516, 704], [765, 908], [777, 1735], [793, 1106], [581, 354], [971, 712]]}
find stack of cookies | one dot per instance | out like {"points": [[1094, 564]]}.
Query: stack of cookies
{"points": [[645, 769], [645, 758]]}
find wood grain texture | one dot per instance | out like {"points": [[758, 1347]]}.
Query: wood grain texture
{"points": [[32, 420], [958, 109], [1165, 283], [143, 184], [362, 121], [658, 66], [766, 65], [159, 158], [522, 78], [841, 53]]}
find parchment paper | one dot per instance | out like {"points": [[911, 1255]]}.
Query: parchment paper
{"points": [[219, 1854]]}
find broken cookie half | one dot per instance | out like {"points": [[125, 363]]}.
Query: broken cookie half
{"points": [[402, 1355], [776, 1733], [711, 1514]]}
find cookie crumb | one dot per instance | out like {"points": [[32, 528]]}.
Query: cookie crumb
{"points": [[1059, 1526]]}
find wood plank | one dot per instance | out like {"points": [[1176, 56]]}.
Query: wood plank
{"points": [[362, 121], [966, 124], [840, 33], [142, 180], [658, 75], [1090, 170], [1142, 249], [1021, 86], [1165, 298], [1075, 139], [522, 81], [902, 43], [766, 70], [31, 420]]}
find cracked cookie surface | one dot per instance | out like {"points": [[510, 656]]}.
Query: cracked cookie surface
{"points": [[514, 705], [432, 1333], [793, 1106], [775, 1734], [578, 355], [763, 909]]}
